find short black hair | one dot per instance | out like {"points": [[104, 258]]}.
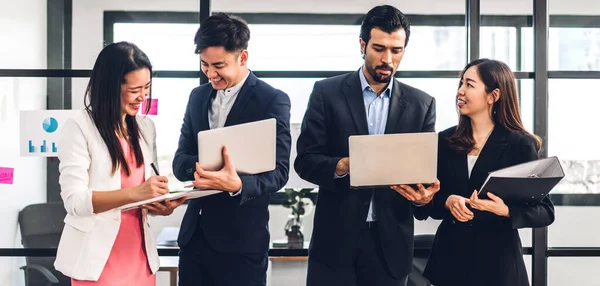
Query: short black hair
{"points": [[387, 18], [222, 30]]}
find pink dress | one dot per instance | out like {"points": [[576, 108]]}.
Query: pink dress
{"points": [[128, 262]]}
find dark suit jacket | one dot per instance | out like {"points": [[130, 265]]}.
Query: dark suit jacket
{"points": [[336, 111], [234, 224], [487, 250]]}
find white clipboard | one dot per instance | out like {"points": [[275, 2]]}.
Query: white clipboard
{"points": [[189, 194]]}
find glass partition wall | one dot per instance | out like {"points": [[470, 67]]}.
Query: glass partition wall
{"points": [[553, 47]]}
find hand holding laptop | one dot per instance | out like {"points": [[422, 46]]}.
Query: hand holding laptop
{"points": [[225, 179], [343, 166], [252, 146], [420, 196]]}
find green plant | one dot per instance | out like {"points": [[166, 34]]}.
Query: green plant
{"points": [[297, 200]]}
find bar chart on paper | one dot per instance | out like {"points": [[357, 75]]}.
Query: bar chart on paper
{"points": [[43, 148]]}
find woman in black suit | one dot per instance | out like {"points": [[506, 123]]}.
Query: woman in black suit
{"points": [[477, 242]]}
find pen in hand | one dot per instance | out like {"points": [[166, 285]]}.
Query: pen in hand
{"points": [[154, 168]]}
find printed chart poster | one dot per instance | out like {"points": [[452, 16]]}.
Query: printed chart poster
{"points": [[40, 131]]}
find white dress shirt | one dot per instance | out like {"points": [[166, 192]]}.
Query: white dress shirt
{"points": [[221, 106]]}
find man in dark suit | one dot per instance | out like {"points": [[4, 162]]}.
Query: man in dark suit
{"points": [[224, 238], [363, 237]]}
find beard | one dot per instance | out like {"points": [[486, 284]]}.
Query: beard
{"points": [[379, 77]]}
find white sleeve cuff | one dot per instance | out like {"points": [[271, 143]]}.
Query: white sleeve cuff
{"points": [[336, 176], [236, 193]]}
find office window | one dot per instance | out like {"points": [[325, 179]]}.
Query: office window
{"points": [[169, 46], [581, 270], [574, 49], [572, 117], [435, 48], [172, 95], [499, 43], [303, 47], [569, 49], [298, 89], [444, 91], [527, 102], [278, 47], [336, 48], [287, 48], [501, 34]]}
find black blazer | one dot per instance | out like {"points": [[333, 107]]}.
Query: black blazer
{"points": [[336, 111], [234, 224], [486, 250]]}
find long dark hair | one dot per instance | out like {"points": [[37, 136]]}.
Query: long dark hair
{"points": [[505, 111], [103, 100]]}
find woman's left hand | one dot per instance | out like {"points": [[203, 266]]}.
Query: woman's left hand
{"points": [[164, 208], [495, 205]]}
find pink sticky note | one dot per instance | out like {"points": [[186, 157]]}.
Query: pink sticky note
{"points": [[153, 107], [6, 175]]}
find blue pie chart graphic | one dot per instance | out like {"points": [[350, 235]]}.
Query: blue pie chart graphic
{"points": [[50, 124]]}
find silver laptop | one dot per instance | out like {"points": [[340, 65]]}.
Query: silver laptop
{"points": [[393, 159], [251, 147]]}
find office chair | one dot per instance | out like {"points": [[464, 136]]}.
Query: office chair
{"points": [[41, 226]]}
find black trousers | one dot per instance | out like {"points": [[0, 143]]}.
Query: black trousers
{"points": [[202, 265], [369, 268]]}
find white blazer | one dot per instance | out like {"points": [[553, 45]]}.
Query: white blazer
{"points": [[85, 165]]}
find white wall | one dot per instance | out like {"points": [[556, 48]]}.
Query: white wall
{"points": [[23, 46]]}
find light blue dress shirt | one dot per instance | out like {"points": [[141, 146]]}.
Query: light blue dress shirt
{"points": [[377, 108]]}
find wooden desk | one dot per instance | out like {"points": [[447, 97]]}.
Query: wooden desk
{"points": [[171, 265], [288, 258], [288, 270]]}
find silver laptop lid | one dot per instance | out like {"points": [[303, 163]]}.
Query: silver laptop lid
{"points": [[393, 159], [251, 146]]}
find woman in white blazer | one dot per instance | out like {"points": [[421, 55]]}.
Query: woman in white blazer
{"points": [[105, 154]]}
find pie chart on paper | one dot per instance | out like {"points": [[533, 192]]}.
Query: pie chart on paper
{"points": [[50, 124]]}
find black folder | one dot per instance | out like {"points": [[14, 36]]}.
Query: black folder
{"points": [[528, 182]]}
